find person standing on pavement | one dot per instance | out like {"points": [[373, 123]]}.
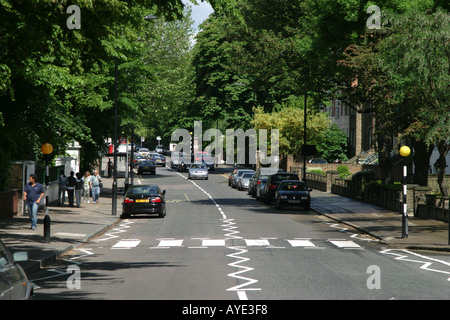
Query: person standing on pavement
{"points": [[96, 180], [87, 186], [71, 181], [62, 183], [33, 194], [79, 187]]}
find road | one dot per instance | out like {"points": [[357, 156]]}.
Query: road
{"points": [[218, 243]]}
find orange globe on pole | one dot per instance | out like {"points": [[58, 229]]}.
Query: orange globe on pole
{"points": [[46, 148]]}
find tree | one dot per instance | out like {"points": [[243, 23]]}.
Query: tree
{"points": [[332, 144], [288, 119]]}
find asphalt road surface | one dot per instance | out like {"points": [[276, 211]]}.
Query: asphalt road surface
{"points": [[218, 243]]}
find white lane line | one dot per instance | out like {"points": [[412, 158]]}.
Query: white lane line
{"points": [[230, 227]]}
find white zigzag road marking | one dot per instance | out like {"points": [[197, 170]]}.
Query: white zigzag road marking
{"points": [[425, 265], [229, 227], [112, 235], [231, 233], [236, 264]]}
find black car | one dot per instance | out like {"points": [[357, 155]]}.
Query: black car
{"points": [[144, 199], [292, 193], [146, 166], [272, 183]]}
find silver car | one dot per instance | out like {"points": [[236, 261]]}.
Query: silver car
{"points": [[14, 284], [198, 171], [238, 174], [244, 180]]}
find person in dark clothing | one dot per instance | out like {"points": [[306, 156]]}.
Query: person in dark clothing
{"points": [[71, 182], [33, 194]]}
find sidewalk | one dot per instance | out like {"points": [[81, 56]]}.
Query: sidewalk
{"points": [[72, 226], [423, 234]]}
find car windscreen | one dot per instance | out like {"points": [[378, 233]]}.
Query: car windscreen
{"points": [[280, 177], [293, 186], [247, 175], [141, 190]]}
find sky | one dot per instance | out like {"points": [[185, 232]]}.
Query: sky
{"points": [[199, 12]]}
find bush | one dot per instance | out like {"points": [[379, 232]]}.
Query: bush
{"points": [[315, 170], [343, 171]]}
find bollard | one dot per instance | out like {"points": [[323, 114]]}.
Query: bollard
{"points": [[47, 228]]}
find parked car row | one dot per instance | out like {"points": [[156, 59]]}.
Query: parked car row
{"points": [[272, 185]]}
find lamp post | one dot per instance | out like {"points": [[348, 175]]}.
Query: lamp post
{"points": [[46, 149], [114, 186], [404, 152]]}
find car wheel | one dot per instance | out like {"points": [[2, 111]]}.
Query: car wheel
{"points": [[124, 216], [163, 214], [277, 205], [307, 207], [266, 200]]}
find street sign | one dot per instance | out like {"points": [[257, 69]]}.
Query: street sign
{"points": [[123, 140]]}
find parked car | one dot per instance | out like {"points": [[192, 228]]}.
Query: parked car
{"points": [[144, 199], [292, 193], [14, 283], [272, 183], [244, 180], [238, 174], [146, 166], [318, 160], [161, 149], [137, 158], [259, 175], [198, 171], [231, 176], [259, 191], [144, 151]]}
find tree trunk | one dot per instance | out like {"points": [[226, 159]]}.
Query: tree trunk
{"points": [[443, 148], [422, 155]]}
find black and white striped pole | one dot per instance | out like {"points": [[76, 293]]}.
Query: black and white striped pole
{"points": [[404, 152]]}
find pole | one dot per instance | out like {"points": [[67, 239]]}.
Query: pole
{"points": [[47, 221], [304, 140], [114, 186], [405, 206]]}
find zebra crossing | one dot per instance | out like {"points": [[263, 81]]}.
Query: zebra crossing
{"points": [[269, 243]]}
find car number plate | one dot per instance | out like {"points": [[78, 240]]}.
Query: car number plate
{"points": [[141, 200], [146, 167], [294, 201]]}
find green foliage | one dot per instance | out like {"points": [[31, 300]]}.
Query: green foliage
{"points": [[332, 144], [344, 173]]}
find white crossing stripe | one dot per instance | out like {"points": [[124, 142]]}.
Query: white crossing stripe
{"points": [[301, 243], [170, 243], [345, 244], [126, 244], [210, 243], [270, 243], [257, 242]]}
